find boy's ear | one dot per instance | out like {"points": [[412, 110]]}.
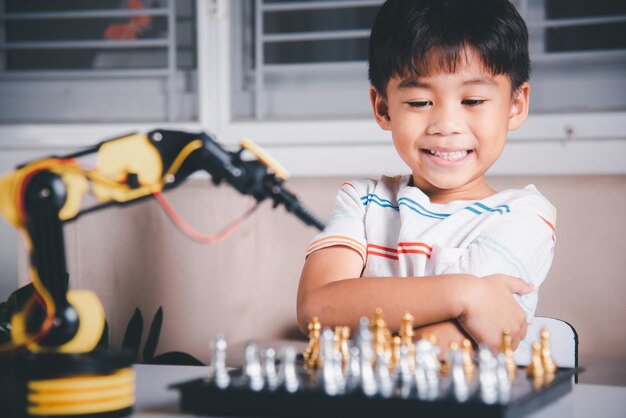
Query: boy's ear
{"points": [[519, 106], [381, 111]]}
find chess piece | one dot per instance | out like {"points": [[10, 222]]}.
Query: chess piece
{"points": [[504, 379], [487, 375], [252, 367], [506, 348], [383, 377], [342, 335], [460, 384], [269, 367], [468, 358], [406, 377], [311, 354], [427, 368], [394, 358], [328, 368], [218, 372], [288, 374], [365, 344], [354, 368], [380, 333], [547, 360], [406, 336], [535, 368]]}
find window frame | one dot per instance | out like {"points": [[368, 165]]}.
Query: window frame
{"points": [[565, 143]]}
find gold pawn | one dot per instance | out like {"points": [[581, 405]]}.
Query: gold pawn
{"points": [[535, 368], [380, 332], [311, 354], [546, 357], [395, 353], [468, 358], [344, 333], [507, 349], [406, 335]]}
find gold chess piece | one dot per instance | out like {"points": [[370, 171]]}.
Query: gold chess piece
{"points": [[395, 353], [445, 367], [406, 337], [507, 349], [468, 358], [311, 354], [535, 368], [380, 333], [546, 356], [342, 335]]}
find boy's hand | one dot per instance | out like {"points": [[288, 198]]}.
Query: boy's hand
{"points": [[489, 308]]}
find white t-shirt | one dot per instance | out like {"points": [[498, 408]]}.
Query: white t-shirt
{"points": [[399, 233]]}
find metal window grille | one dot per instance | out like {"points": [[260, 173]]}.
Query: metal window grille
{"points": [[20, 46], [552, 38]]}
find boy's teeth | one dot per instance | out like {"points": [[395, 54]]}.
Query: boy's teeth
{"points": [[449, 155]]}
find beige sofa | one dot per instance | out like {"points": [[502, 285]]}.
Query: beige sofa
{"points": [[245, 286]]}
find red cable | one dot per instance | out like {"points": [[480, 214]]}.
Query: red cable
{"points": [[192, 233]]}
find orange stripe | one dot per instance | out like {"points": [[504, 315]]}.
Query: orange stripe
{"points": [[340, 237], [415, 252], [332, 244], [349, 184], [415, 244], [550, 225], [393, 257]]}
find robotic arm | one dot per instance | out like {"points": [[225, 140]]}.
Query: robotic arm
{"points": [[40, 196]]}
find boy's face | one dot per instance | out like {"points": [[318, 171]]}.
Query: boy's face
{"points": [[449, 128]]}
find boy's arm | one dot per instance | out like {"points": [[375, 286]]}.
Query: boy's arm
{"points": [[331, 288]]}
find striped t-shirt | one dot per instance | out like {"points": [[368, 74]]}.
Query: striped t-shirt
{"points": [[398, 232]]}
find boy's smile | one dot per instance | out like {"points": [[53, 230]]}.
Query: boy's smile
{"points": [[449, 128]]}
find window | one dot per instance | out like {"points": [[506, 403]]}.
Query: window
{"points": [[297, 59], [69, 61]]}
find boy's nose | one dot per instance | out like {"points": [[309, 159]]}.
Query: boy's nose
{"points": [[445, 120]]}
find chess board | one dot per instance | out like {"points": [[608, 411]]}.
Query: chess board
{"points": [[203, 397]]}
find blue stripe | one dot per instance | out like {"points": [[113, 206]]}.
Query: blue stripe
{"points": [[372, 198], [501, 209], [417, 211], [441, 215]]}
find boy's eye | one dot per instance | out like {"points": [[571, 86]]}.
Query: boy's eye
{"points": [[472, 102], [421, 103]]}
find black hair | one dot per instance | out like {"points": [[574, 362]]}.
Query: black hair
{"points": [[421, 37]]}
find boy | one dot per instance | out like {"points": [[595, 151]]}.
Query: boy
{"points": [[449, 79]]}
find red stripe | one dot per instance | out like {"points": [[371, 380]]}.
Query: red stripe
{"points": [[415, 252], [415, 244], [379, 247], [348, 183], [393, 257]]}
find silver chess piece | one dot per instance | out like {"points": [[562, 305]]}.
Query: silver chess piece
{"points": [[383, 376], [252, 367], [504, 382], [217, 370], [460, 384], [331, 387], [365, 343], [287, 373], [405, 375], [488, 378], [269, 368]]}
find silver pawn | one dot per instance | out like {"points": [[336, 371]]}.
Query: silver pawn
{"points": [[487, 365], [504, 384], [218, 372], [252, 367], [269, 367], [383, 376], [459, 379], [288, 373], [365, 341], [328, 367]]}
